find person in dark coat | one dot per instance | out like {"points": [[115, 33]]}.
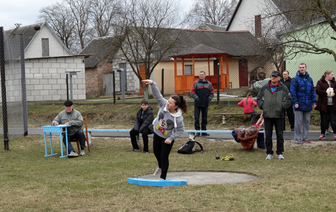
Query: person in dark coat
{"points": [[286, 80], [142, 124], [273, 99], [303, 98], [326, 103], [202, 92]]}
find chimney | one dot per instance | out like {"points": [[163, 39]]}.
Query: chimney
{"points": [[257, 27]]}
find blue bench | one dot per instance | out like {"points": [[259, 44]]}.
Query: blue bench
{"points": [[187, 131]]}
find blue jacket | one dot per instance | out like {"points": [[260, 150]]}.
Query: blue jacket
{"points": [[302, 92]]}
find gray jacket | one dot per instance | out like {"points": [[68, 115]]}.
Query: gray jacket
{"points": [[166, 125], [74, 118]]}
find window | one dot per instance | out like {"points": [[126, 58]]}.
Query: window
{"points": [[45, 47], [187, 69]]}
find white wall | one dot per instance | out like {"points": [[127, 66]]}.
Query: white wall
{"points": [[46, 78], [245, 17], [34, 50]]}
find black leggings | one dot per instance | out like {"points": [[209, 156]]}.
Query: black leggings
{"points": [[328, 117], [161, 152]]}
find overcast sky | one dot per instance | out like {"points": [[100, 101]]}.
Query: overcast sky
{"points": [[26, 12]]}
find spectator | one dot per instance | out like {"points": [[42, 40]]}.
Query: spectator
{"points": [[249, 104], [273, 98], [168, 126], [326, 103], [142, 124], [72, 117], [202, 92], [303, 97], [286, 80]]}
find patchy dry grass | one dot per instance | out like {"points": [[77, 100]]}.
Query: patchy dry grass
{"points": [[304, 181]]}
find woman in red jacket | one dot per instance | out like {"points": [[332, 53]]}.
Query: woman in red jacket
{"points": [[249, 104], [326, 103]]}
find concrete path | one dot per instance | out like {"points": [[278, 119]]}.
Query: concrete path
{"points": [[288, 135], [205, 178]]}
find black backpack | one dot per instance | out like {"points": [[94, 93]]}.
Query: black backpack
{"points": [[189, 147]]}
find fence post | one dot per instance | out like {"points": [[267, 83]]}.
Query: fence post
{"points": [[3, 89], [23, 88]]}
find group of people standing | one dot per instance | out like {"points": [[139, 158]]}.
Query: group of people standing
{"points": [[296, 94]]}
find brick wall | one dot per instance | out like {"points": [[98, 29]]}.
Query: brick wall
{"points": [[46, 78], [94, 78]]}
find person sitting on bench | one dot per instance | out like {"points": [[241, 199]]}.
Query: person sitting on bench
{"points": [[142, 124]]}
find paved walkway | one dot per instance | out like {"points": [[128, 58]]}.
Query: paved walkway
{"points": [[288, 135]]}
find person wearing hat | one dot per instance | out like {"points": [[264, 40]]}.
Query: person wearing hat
{"points": [[303, 95], [72, 117], [273, 99]]}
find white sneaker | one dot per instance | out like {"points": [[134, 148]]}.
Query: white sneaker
{"points": [[269, 157], [157, 171], [82, 152], [281, 157], [73, 154]]}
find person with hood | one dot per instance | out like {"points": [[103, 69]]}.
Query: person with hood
{"points": [[202, 92], [326, 103], [303, 97], [142, 124], [286, 80], [273, 98], [168, 126]]}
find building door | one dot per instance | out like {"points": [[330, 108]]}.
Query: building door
{"points": [[243, 73], [142, 72]]}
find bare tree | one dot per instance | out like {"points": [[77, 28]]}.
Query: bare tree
{"points": [[311, 21], [59, 17], [81, 12], [215, 12], [105, 16], [145, 37]]}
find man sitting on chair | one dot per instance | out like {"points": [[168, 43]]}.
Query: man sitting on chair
{"points": [[72, 117]]}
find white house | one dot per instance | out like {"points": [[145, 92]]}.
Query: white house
{"points": [[47, 62], [253, 15]]}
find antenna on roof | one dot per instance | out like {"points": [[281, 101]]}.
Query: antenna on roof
{"points": [[17, 25]]}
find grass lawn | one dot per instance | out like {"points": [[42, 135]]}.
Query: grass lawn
{"points": [[304, 181]]}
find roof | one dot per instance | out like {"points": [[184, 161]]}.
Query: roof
{"points": [[289, 10], [198, 43], [240, 43], [29, 33], [205, 26], [97, 50]]}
